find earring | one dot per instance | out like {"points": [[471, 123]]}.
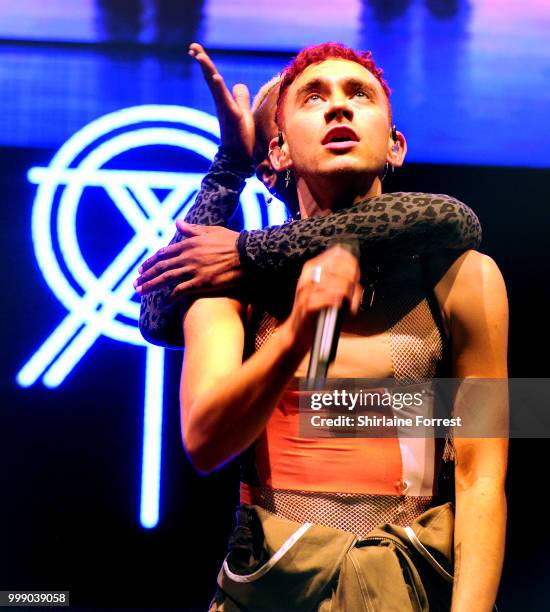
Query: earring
{"points": [[288, 178], [386, 168]]}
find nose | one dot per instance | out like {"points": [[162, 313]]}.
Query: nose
{"points": [[339, 108]]}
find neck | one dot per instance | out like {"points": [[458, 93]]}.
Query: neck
{"points": [[320, 197]]}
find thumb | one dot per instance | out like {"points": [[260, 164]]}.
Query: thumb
{"points": [[189, 229], [242, 96]]}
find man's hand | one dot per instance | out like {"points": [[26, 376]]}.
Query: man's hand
{"points": [[236, 121], [326, 280], [207, 261]]}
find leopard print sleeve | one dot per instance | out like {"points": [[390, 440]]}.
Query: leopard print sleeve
{"points": [[394, 224], [218, 198], [391, 225]]}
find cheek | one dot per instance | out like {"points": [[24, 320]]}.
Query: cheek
{"points": [[304, 130], [302, 143]]}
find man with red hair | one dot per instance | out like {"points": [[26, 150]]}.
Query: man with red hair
{"points": [[312, 509]]}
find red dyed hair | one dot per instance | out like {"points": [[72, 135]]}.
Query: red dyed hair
{"points": [[319, 53]]}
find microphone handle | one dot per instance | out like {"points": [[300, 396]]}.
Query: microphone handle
{"points": [[325, 345], [329, 324]]}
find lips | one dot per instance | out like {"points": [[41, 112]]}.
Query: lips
{"points": [[340, 135]]}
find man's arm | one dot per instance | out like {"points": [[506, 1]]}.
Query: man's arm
{"points": [[219, 195], [393, 224], [226, 404], [218, 198], [388, 226], [476, 306]]}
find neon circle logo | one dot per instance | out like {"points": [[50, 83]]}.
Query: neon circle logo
{"points": [[102, 304]]}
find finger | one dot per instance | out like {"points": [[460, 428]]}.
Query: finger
{"points": [[184, 289], [160, 275], [171, 250], [324, 299], [242, 96], [213, 78], [195, 47], [168, 279], [190, 229]]}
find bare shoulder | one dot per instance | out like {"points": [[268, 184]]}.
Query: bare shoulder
{"points": [[467, 284], [206, 317], [472, 295], [213, 306], [214, 341]]}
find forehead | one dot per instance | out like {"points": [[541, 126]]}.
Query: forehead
{"points": [[335, 70]]}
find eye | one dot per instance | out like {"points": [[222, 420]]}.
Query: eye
{"points": [[313, 97], [361, 93]]}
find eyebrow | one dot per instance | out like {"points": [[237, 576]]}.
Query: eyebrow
{"points": [[320, 84]]}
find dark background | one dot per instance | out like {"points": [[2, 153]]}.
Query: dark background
{"points": [[470, 81], [71, 490]]}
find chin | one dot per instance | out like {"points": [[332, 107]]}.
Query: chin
{"points": [[345, 167]]}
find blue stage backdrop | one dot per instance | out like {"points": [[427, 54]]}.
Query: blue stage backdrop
{"points": [[469, 77], [106, 128], [128, 126]]}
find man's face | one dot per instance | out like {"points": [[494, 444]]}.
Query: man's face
{"points": [[336, 120]]}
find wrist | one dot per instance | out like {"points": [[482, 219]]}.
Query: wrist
{"points": [[241, 249], [235, 159], [294, 341]]}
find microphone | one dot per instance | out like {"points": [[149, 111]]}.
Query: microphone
{"points": [[329, 324]]}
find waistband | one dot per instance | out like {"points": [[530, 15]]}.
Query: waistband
{"points": [[352, 512]]}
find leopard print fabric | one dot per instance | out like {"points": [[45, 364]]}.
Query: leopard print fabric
{"points": [[218, 198], [389, 226], [395, 223]]}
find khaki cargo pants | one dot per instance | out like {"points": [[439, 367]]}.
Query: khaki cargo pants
{"points": [[277, 565]]}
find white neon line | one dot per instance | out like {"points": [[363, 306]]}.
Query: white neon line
{"points": [[128, 207], [85, 175], [172, 209], [130, 116], [98, 178], [66, 218], [49, 177], [147, 198], [84, 314], [175, 201], [276, 212], [158, 215], [152, 437], [45, 354], [83, 341], [71, 355]]}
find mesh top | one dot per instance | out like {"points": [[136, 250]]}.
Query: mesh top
{"points": [[417, 345], [358, 514]]}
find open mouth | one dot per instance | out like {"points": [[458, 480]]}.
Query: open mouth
{"points": [[340, 137]]}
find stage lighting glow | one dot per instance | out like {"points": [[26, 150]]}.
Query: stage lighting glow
{"points": [[102, 305]]}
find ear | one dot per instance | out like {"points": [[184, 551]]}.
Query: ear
{"points": [[266, 174], [279, 155], [397, 149]]}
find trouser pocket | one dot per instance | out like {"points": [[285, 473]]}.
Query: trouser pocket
{"points": [[276, 564]]}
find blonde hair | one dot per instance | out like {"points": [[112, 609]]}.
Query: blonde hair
{"points": [[263, 92]]}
